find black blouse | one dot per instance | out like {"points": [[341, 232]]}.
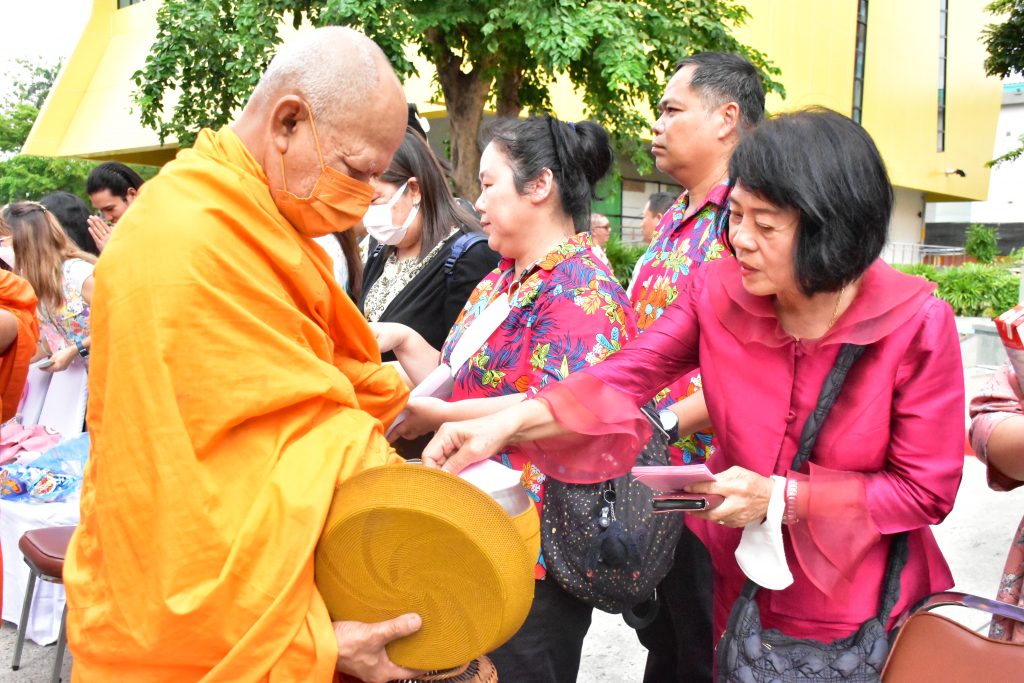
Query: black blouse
{"points": [[432, 301]]}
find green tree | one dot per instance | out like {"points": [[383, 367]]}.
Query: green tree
{"points": [[1005, 43], [29, 177], [982, 242], [23, 176], [504, 54]]}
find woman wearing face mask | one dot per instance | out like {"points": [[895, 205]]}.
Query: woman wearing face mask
{"points": [[430, 253], [554, 309], [60, 274]]}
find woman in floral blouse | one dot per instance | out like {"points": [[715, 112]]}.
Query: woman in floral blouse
{"points": [[61, 275], [997, 436], [567, 312]]}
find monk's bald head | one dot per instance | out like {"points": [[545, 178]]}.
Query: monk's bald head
{"points": [[358, 108], [340, 72]]}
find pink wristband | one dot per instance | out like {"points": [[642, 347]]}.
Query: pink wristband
{"points": [[789, 516]]}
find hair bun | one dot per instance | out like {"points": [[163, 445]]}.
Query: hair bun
{"points": [[594, 153]]}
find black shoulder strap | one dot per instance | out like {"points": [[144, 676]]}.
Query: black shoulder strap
{"points": [[848, 355], [461, 246]]}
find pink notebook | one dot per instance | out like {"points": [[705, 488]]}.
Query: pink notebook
{"points": [[672, 477]]}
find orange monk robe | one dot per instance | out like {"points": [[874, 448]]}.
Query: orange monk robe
{"points": [[18, 299], [232, 386]]}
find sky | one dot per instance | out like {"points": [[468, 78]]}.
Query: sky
{"points": [[39, 30]]}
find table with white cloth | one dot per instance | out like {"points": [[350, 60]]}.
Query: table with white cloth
{"points": [[48, 603]]}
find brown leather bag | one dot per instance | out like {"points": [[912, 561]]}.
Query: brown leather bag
{"points": [[933, 648]]}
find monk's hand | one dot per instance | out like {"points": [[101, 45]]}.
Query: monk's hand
{"points": [[62, 359], [100, 231], [361, 650], [424, 414], [458, 445], [390, 335], [746, 496]]}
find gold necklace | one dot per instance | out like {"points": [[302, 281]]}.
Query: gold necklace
{"points": [[835, 311]]}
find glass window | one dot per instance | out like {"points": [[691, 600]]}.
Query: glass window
{"points": [[860, 53], [940, 138]]}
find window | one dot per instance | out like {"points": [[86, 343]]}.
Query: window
{"points": [[940, 140], [124, 3], [858, 63]]}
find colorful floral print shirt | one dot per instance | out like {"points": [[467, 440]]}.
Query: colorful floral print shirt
{"points": [[678, 248], [70, 324], [568, 313]]}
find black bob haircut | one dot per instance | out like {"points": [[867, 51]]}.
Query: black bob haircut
{"points": [[115, 177], [826, 167], [578, 155]]}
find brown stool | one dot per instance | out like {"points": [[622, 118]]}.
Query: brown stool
{"points": [[44, 551]]}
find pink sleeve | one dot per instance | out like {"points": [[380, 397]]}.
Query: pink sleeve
{"points": [[993, 405], [604, 400], [847, 512]]}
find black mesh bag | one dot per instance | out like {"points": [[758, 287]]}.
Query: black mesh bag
{"points": [[602, 542]]}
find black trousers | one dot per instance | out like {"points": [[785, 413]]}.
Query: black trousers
{"points": [[547, 648], [679, 641]]}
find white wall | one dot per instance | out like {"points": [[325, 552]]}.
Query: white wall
{"points": [[907, 224], [1005, 203]]}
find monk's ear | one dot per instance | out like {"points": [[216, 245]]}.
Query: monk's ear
{"points": [[284, 118]]}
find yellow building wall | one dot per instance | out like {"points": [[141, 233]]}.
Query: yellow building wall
{"points": [[901, 95], [89, 112], [814, 41]]}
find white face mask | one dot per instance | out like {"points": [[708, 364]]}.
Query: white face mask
{"points": [[379, 224], [7, 254]]}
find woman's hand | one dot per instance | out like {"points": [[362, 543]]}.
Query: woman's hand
{"points": [[458, 445], [746, 496], [424, 414], [62, 358], [390, 335]]}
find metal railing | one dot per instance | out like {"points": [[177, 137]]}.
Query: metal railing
{"points": [[933, 254]]}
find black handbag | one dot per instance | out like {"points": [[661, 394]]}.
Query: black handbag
{"points": [[602, 543], [747, 653]]}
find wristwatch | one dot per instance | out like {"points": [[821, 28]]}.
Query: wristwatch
{"points": [[670, 423], [83, 350]]}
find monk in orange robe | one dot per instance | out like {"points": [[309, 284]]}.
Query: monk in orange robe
{"points": [[19, 335], [233, 385]]}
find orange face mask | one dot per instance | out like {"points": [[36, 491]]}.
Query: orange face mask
{"points": [[336, 203]]}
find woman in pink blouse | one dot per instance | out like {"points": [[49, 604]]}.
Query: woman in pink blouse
{"points": [[566, 312], [809, 216], [997, 437]]}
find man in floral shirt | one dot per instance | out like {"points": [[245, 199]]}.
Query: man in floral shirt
{"points": [[710, 101]]}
